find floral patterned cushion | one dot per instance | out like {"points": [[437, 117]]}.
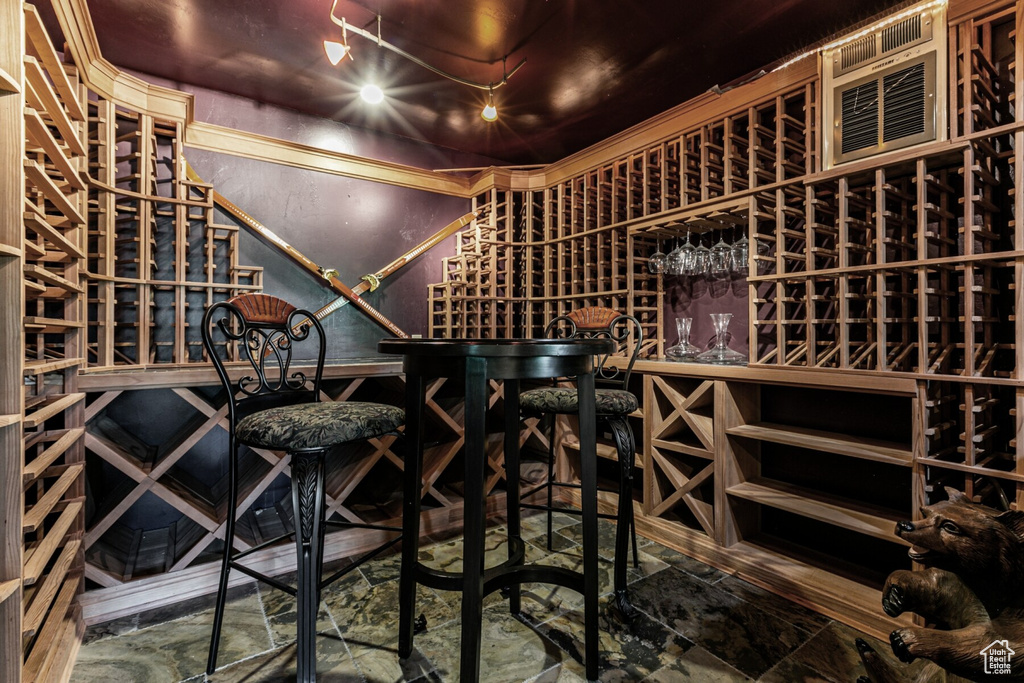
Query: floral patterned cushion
{"points": [[317, 425], [563, 400]]}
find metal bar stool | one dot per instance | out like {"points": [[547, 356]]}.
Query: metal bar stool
{"points": [[277, 407], [615, 403]]}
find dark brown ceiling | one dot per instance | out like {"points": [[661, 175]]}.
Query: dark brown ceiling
{"points": [[594, 67]]}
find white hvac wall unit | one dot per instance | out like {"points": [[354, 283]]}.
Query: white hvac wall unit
{"points": [[885, 89]]}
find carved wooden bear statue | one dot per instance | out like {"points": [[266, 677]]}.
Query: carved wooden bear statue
{"points": [[971, 593]]}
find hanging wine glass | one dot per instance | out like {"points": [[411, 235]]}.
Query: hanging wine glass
{"points": [[701, 258], [720, 353], [674, 264], [656, 264], [684, 350], [687, 251], [741, 255], [721, 259]]}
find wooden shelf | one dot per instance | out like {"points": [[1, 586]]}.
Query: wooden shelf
{"points": [[61, 441], [35, 515], [848, 514], [8, 83], [8, 588], [40, 136], [8, 251], [39, 43], [37, 175], [38, 554], [40, 367], [604, 450], [51, 406], [39, 602], [9, 420], [813, 439]]}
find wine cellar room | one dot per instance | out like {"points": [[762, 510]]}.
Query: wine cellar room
{"points": [[810, 215]]}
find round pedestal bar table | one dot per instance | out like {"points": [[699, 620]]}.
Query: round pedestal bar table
{"points": [[476, 362]]}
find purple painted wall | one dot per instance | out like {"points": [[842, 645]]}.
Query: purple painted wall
{"points": [[356, 226], [697, 297]]}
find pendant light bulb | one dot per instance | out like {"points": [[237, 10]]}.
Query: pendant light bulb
{"points": [[490, 113], [372, 93]]}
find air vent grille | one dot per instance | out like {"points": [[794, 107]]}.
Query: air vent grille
{"points": [[884, 89], [904, 113], [858, 51], [903, 33], [860, 117]]}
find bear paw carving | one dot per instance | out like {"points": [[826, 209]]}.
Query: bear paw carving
{"points": [[900, 648], [892, 601]]}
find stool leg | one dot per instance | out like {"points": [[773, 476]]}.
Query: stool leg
{"points": [[551, 475], [626, 451], [308, 503], [225, 567], [473, 518], [512, 423], [588, 496], [413, 473]]}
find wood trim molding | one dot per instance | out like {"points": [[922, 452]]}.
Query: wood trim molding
{"points": [[214, 138], [109, 81]]}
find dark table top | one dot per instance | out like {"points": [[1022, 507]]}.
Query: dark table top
{"points": [[496, 348]]}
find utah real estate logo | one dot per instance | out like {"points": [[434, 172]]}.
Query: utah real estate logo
{"points": [[995, 657]]}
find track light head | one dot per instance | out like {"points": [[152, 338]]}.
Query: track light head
{"points": [[336, 51]]}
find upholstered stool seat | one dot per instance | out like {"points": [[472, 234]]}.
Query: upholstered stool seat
{"points": [[317, 425], [564, 400]]}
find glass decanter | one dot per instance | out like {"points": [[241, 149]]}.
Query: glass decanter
{"points": [[720, 353], [684, 350]]}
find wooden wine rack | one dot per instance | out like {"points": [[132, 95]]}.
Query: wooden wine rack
{"points": [[157, 257], [41, 257]]}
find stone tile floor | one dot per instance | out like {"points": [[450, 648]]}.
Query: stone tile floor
{"points": [[696, 624]]}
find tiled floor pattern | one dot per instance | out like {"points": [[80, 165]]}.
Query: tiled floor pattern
{"points": [[696, 624]]}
